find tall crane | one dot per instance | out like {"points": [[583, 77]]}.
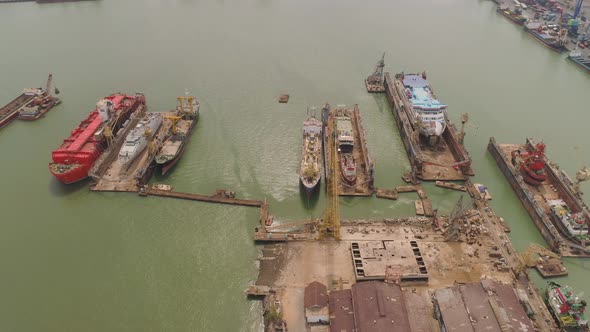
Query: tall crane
{"points": [[331, 218]]}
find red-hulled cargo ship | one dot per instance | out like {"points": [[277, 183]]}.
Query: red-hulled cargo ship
{"points": [[74, 158]]}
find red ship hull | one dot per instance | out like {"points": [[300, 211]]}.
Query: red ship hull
{"points": [[74, 158], [74, 175]]}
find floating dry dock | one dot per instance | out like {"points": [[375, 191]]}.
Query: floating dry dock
{"points": [[346, 124], [447, 160], [109, 174], [540, 200]]}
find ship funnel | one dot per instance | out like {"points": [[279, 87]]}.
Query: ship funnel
{"points": [[105, 109]]}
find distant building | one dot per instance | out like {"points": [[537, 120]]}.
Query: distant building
{"points": [[316, 303]]}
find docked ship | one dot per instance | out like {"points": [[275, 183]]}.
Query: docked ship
{"points": [[75, 156], [550, 196], [566, 307], [138, 138], [577, 57], [185, 120], [311, 154], [345, 143], [554, 40], [428, 114], [513, 15]]}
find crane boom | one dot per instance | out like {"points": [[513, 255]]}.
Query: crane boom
{"points": [[578, 8]]}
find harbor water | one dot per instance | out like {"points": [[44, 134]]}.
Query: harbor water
{"points": [[75, 260]]}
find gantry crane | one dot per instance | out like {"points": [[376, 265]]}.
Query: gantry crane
{"points": [[331, 219]]}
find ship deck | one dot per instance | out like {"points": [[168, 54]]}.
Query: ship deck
{"points": [[171, 148], [110, 175], [538, 208], [364, 179]]}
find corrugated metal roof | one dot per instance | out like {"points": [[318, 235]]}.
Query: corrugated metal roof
{"points": [[479, 308], [508, 300], [316, 295], [452, 309], [379, 307], [341, 312]]}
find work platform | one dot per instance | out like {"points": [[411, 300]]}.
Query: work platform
{"points": [[363, 184], [447, 160]]}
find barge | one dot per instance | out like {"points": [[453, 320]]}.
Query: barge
{"points": [[30, 105], [183, 124], [431, 158], [553, 40], [551, 198], [355, 166], [374, 83]]}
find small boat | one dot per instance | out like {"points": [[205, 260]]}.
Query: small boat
{"points": [[310, 169]]}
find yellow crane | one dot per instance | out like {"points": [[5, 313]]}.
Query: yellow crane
{"points": [[331, 217], [174, 120]]}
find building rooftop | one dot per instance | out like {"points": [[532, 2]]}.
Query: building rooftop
{"points": [[315, 296], [379, 307], [341, 312]]}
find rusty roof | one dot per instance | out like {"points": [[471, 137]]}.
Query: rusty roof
{"points": [[479, 308], [419, 309], [379, 307], [341, 312], [507, 299], [452, 309], [316, 295]]}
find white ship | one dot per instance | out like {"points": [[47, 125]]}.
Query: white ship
{"points": [[138, 137], [429, 113]]}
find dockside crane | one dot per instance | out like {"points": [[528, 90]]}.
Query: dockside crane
{"points": [[330, 226]]}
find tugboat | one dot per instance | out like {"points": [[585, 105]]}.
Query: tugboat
{"points": [[138, 137], [311, 152], [567, 308], [345, 141], [428, 114], [187, 115], [532, 164]]}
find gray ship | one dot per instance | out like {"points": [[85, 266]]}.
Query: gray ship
{"points": [[138, 137]]}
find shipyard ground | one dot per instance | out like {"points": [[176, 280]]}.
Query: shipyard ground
{"points": [[481, 251]]}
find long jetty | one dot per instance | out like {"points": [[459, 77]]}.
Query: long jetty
{"points": [[203, 198]]}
